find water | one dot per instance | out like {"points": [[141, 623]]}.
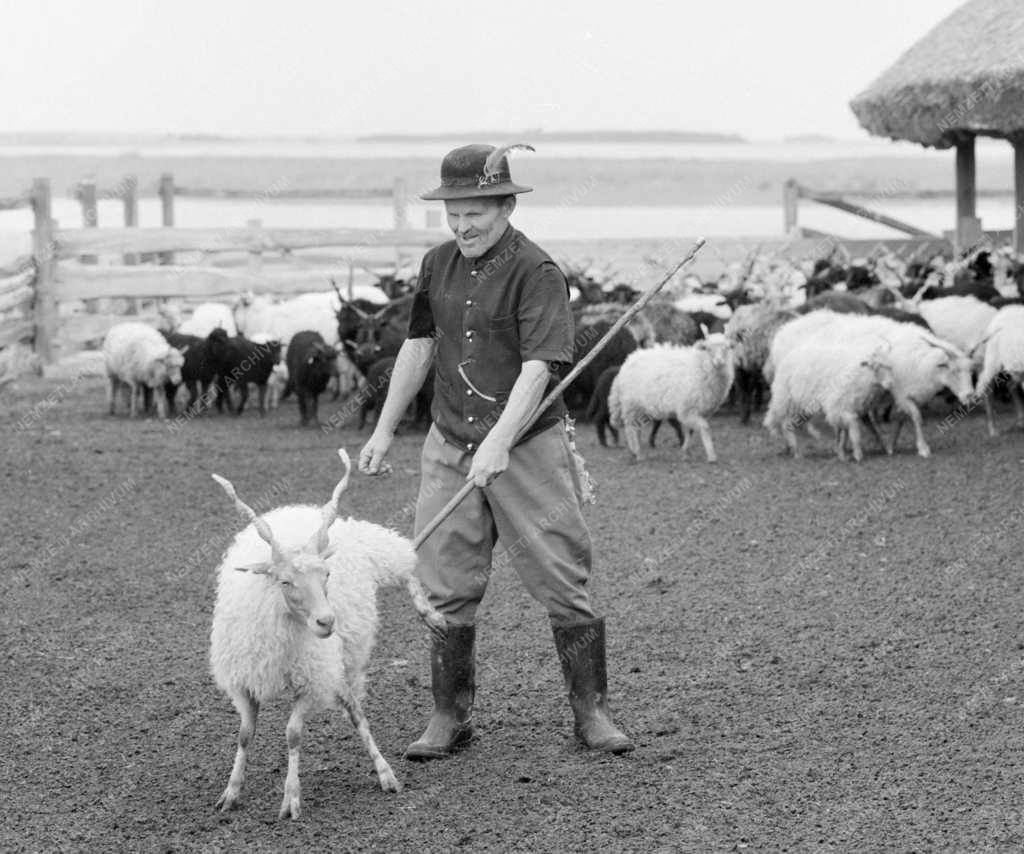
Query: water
{"points": [[352, 150], [573, 222]]}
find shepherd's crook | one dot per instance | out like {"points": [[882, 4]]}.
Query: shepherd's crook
{"points": [[457, 499]]}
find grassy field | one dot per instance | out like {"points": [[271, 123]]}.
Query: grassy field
{"points": [[811, 656]]}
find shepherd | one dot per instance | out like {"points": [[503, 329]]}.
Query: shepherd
{"points": [[491, 311]]}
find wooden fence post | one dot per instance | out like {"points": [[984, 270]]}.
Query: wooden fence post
{"points": [[44, 250], [130, 197], [90, 214], [790, 206], [167, 210]]}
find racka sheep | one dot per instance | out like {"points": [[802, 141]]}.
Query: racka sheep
{"points": [[690, 383], [837, 379], [598, 415], [751, 329], [296, 611], [922, 366], [1003, 354], [311, 364], [139, 356]]}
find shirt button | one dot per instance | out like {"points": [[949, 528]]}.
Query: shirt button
{"points": [[470, 419]]}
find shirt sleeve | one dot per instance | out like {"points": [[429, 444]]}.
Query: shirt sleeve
{"points": [[421, 319], [545, 322]]}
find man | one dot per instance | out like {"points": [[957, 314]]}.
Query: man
{"points": [[492, 311]]}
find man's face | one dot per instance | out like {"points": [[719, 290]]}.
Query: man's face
{"points": [[477, 223]]}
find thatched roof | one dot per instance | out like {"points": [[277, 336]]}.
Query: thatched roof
{"points": [[966, 75]]}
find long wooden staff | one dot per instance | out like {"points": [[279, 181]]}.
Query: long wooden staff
{"points": [[469, 486]]}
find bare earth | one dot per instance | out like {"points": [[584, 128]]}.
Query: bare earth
{"points": [[811, 656]]}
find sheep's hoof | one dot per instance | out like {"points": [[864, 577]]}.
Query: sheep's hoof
{"points": [[228, 800], [388, 780], [291, 806], [924, 451]]}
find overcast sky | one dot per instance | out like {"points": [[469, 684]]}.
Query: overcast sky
{"points": [[764, 70]]}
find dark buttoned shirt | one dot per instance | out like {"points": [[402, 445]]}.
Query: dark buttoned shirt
{"points": [[489, 315]]}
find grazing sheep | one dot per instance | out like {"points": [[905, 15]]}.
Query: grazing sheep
{"points": [[139, 356], [838, 380], [690, 383], [751, 330], [296, 611], [238, 362], [311, 364], [208, 316], [1003, 353]]}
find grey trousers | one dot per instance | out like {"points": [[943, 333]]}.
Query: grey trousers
{"points": [[533, 508]]}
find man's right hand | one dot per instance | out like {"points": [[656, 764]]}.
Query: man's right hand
{"points": [[371, 458]]}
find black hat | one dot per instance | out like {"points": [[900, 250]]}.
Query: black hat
{"points": [[477, 170]]}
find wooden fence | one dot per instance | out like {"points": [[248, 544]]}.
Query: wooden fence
{"points": [[63, 265]]}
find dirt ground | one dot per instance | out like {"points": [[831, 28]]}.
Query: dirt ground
{"points": [[811, 656]]}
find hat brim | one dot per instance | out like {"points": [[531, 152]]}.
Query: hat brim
{"points": [[507, 188]]}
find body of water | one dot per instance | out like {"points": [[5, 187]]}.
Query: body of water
{"points": [[352, 150]]}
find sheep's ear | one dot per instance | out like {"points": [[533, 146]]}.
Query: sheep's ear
{"points": [[264, 568], [329, 553], [704, 330]]}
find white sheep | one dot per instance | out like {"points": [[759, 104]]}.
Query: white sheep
{"points": [[296, 611], [960, 320], [922, 366], [689, 383], [138, 356], [839, 380], [794, 333], [317, 312], [206, 317], [1003, 353]]}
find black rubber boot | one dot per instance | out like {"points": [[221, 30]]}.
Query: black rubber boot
{"points": [[581, 653], [453, 678]]}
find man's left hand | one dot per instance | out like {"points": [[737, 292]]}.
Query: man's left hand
{"points": [[490, 460]]}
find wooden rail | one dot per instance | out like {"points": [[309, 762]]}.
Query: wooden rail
{"points": [[793, 192], [74, 242]]}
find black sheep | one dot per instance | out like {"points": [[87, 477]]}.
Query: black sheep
{"points": [[238, 362], [378, 378], [311, 364], [197, 374], [580, 391]]}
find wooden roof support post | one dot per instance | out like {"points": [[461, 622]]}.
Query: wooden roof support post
{"points": [[968, 226], [1018, 194], [44, 252], [90, 213]]}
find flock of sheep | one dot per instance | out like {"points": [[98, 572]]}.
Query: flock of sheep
{"points": [[875, 337], [839, 344]]}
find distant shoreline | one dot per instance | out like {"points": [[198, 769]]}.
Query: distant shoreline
{"points": [[610, 136]]}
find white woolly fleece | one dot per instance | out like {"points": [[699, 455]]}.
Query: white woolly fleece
{"points": [[257, 646]]}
